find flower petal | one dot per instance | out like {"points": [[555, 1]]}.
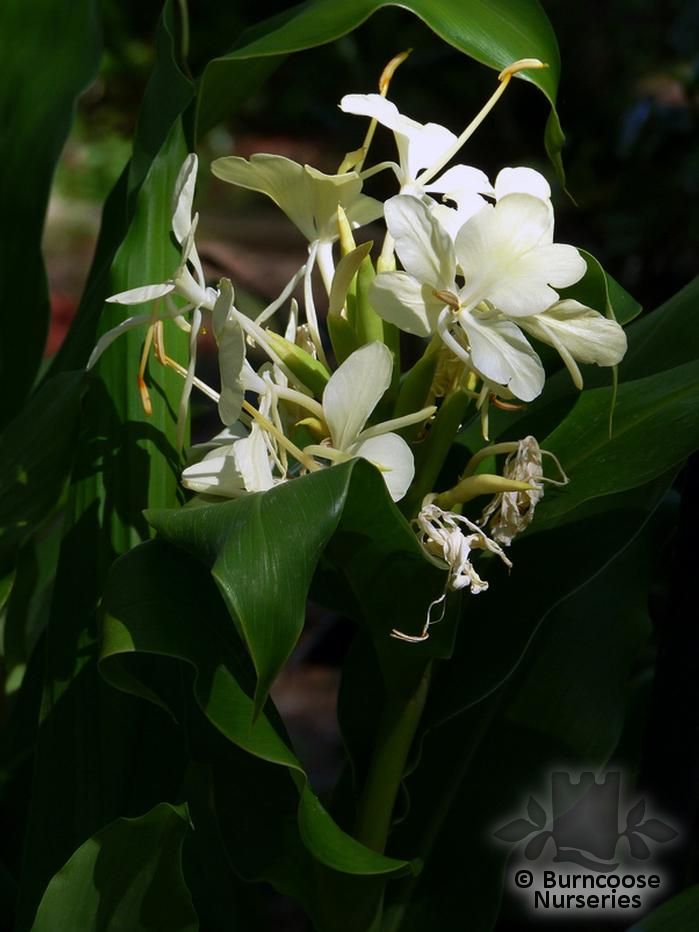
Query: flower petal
{"points": [[401, 300], [142, 294], [508, 259], [252, 461], [354, 390], [461, 182], [580, 332], [374, 106], [500, 351], [231, 354], [423, 246], [392, 455], [183, 198], [325, 192], [425, 145], [307, 196], [216, 474], [419, 145], [522, 180], [279, 178]]}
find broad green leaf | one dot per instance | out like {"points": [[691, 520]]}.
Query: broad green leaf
{"points": [[495, 33], [165, 100], [38, 449], [49, 57], [656, 426], [665, 338], [124, 461], [157, 606], [127, 876], [263, 565], [679, 914], [29, 602]]}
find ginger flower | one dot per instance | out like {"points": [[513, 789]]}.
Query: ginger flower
{"points": [[310, 199], [349, 398], [419, 144], [496, 279]]}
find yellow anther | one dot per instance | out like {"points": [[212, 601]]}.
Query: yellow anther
{"points": [[390, 70], [523, 64], [355, 160], [449, 298]]}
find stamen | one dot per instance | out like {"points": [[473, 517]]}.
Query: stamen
{"points": [[384, 84], [171, 363], [390, 70], [505, 405], [140, 377], [306, 461], [449, 298], [504, 78]]}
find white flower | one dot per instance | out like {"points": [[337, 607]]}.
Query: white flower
{"points": [[231, 354], [307, 196], [502, 267], [252, 462], [187, 280], [310, 199], [419, 145], [444, 540], [352, 393], [463, 186]]}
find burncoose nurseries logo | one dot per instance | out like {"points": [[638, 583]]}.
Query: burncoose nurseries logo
{"points": [[608, 843]]}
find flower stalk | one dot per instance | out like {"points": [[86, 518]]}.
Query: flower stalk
{"points": [[399, 722]]}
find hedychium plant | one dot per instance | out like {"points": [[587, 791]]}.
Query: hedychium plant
{"points": [[461, 448]]}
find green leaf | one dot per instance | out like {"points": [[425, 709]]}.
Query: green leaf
{"points": [[127, 876], [656, 426], [38, 449], [679, 914], [495, 33], [256, 552], [665, 338], [158, 604], [47, 61], [165, 100], [93, 739], [598, 290]]}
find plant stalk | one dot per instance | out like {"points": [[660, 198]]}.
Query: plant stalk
{"points": [[399, 722]]}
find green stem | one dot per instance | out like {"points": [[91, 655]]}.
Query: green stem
{"points": [[184, 36], [430, 456], [399, 722], [403, 890]]}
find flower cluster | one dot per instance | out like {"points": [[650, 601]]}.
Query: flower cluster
{"points": [[469, 266]]}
